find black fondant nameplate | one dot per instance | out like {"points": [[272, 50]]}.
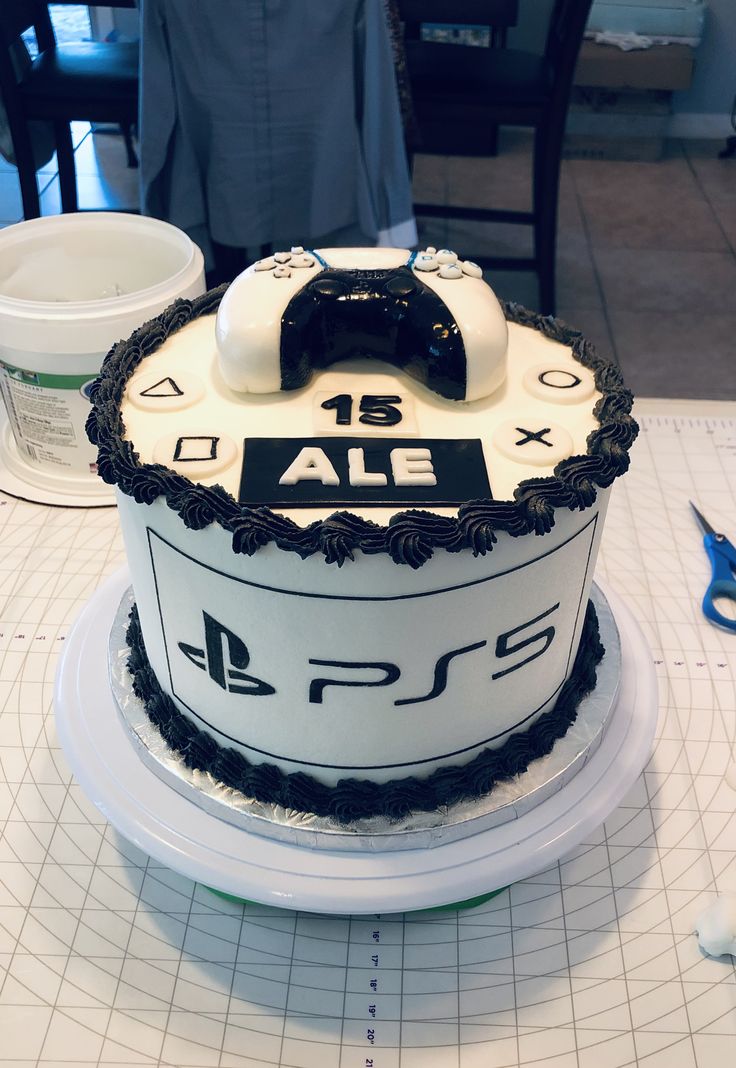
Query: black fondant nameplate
{"points": [[308, 472]]}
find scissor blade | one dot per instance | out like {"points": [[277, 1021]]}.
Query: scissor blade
{"points": [[707, 528]]}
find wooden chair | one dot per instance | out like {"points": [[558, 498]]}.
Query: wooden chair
{"points": [[462, 93], [96, 82]]}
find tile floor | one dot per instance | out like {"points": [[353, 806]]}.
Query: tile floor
{"points": [[647, 251], [646, 255]]}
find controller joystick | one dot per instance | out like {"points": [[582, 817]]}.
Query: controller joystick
{"points": [[428, 313]]}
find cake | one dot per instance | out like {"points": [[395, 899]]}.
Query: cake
{"points": [[361, 501]]}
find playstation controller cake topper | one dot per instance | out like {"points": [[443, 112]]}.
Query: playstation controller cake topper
{"points": [[427, 313]]}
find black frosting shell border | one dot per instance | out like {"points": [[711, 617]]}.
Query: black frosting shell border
{"points": [[410, 537], [352, 799]]}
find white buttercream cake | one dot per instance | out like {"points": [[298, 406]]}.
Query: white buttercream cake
{"points": [[361, 502]]}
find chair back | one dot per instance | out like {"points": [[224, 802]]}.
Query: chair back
{"points": [[565, 34], [17, 16]]}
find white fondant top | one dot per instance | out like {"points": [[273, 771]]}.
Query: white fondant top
{"points": [[540, 413]]}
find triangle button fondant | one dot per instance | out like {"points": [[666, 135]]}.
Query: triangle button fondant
{"points": [[166, 387]]}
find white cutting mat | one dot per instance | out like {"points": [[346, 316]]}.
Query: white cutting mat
{"points": [[107, 958]]}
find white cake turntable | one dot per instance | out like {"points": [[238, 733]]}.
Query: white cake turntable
{"points": [[286, 864]]}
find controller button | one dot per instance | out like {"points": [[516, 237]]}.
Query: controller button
{"points": [[265, 265], [559, 383], [445, 256], [431, 250], [471, 269], [155, 391], [533, 440], [330, 287], [282, 257], [282, 272], [301, 260], [450, 270], [400, 286], [296, 250], [425, 262], [198, 454]]}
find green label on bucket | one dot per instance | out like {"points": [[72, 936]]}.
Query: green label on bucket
{"points": [[44, 381], [47, 414]]}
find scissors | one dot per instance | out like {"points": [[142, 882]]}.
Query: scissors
{"points": [[723, 562]]}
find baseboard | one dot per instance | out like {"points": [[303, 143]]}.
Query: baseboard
{"points": [[633, 123], [700, 124]]}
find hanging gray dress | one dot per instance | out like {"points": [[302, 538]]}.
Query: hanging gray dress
{"points": [[273, 121]]}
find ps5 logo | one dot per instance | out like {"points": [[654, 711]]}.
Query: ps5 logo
{"points": [[229, 674], [225, 658]]}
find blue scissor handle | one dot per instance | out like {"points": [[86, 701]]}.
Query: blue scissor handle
{"points": [[723, 584]]}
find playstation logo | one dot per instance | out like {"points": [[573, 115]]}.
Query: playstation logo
{"points": [[225, 657]]}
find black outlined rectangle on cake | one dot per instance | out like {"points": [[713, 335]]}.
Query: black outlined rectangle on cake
{"points": [[158, 544]]}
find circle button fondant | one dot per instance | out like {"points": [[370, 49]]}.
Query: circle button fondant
{"points": [[197, 454], [532, 439], [445, 255], [559, 384], [161, 392], [450, 270], [426, 261]]}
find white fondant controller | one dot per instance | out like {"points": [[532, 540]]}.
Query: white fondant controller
{"points": [[428, 313]]}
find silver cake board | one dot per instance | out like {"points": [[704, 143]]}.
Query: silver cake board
{"points": [[420, 830], [20, 479], [231, 859]]}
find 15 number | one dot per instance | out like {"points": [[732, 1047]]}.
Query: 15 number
{"points": [[376, 409]]}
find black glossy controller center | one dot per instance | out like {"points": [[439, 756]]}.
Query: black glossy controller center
{"points": [[388, 315]]}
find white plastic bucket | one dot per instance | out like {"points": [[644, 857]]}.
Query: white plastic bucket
{"points": [[70, 287]]}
